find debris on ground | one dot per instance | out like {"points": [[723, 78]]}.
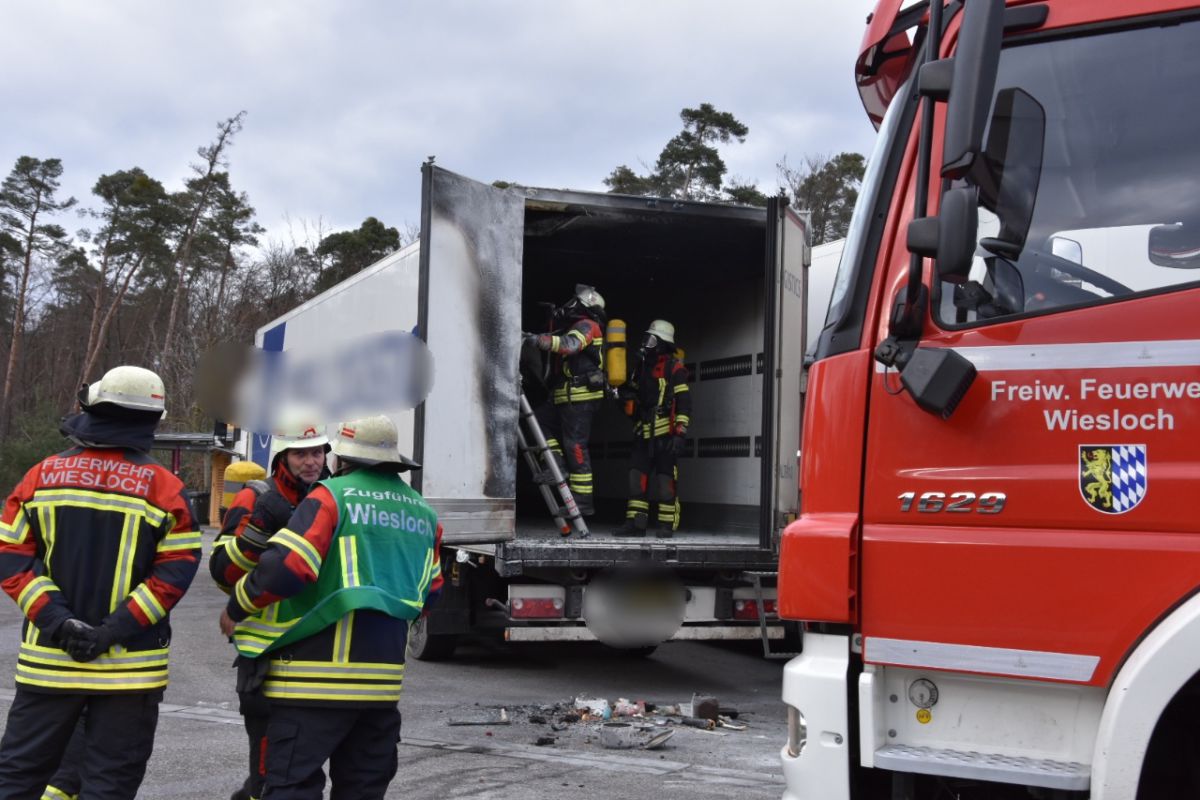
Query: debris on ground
{"points": [[620, 724], [596, 707], [705, 707], [488, 717], [625, 736]]}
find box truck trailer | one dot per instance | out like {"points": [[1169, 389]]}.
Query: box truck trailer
{"points": [[734, 281]]}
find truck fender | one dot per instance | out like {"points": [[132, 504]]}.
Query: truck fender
{"points": [[1147, 682]]}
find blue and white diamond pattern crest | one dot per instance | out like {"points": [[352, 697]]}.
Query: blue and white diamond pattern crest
{"points": [[1128, 476]]}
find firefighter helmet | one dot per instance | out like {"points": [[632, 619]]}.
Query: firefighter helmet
{"points": [[297, 429], [664, 330], [134, 389], [586, 302], [371, 441]]}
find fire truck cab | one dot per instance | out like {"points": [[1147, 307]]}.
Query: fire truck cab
{"points": [[998, 560]]}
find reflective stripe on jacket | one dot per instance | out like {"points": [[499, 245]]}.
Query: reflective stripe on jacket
{"points": [[578, 369], [104, 535], [337, 587], [664, 401]]}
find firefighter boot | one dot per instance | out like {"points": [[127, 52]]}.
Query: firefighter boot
{"points": [[635, 525]]}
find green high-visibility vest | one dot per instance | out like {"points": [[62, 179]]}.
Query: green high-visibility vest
{"points": [[382, 557]]}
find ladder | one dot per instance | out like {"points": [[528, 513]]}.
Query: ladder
{"points": [[566, 515]]}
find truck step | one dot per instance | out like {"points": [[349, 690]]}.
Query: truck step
{"points": [[1020, 770]]}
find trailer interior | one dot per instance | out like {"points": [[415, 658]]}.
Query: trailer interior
{"points": [[702, 267]]}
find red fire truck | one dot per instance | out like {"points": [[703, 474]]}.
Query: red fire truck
{"points": [[998, 556]]}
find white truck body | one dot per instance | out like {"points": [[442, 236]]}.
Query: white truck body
{"points": [[734, 280]]}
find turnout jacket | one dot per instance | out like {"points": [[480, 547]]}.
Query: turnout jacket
{"points": [[578, 363], [232, 555], [331, 598], [664, 400], [104, 535]]}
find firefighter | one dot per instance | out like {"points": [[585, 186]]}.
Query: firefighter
{"points": [[661, 407], [97, 544], [327, 609], [258, 510], [576, 386], [238, 476]]}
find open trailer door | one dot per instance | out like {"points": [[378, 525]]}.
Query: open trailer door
{"points": [[788, 256], [470, 316]]}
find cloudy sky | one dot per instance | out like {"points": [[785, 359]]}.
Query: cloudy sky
{"points": [[345, 99]]}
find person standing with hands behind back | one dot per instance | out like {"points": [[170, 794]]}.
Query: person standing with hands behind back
{"points": [[97, 544]]}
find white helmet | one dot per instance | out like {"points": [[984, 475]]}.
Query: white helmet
{"points": [[589, 297], [663, 330], [586, 302], [371, 441], [297, 429], [132, 388]]}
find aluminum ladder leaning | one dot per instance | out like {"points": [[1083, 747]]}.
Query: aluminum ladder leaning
{"points": [[566, 515]]}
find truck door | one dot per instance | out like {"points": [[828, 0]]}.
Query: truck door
{"points": [[1041, 529], [788, 258], [470, 316]]}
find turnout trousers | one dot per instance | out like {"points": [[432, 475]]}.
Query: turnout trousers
{"points": [[653, 473], [118, 733], [255, 710], [568, 427], [359, 743], [65, 784]]}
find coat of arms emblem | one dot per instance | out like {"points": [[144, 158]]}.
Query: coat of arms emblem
{"points": [[1112, 477]]}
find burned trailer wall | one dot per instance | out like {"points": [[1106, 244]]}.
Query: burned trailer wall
{"points": [[470, 311], [701, 268]]}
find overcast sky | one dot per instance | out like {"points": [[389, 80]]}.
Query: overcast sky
{"points": [[346, 99]]}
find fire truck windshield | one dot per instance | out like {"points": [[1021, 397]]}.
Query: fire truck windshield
{"points": [[1115, 211]]}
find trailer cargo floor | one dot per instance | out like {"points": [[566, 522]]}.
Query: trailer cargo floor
{"points": [[537, 544]]}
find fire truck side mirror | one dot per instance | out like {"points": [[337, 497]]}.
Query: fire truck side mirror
{"points": [[949, 238], [976, 60]]}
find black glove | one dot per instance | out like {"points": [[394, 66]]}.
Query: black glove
{"points": [[69, 629], [83, 642], [271, 512], [679, 444]]}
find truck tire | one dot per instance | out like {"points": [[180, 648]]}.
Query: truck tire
{"points": [[425, 646]]}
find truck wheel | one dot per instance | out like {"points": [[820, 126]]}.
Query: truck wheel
{"points": [[425, 646]]}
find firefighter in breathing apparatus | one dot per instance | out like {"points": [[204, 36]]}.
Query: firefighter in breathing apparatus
{"points": [[577, 385], [97, 544], [660, 404], [327, 609], [258, 510]]}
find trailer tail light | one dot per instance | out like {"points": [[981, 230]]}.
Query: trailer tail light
{"points": [[748, 609], [536, 602], [536, 608]]}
